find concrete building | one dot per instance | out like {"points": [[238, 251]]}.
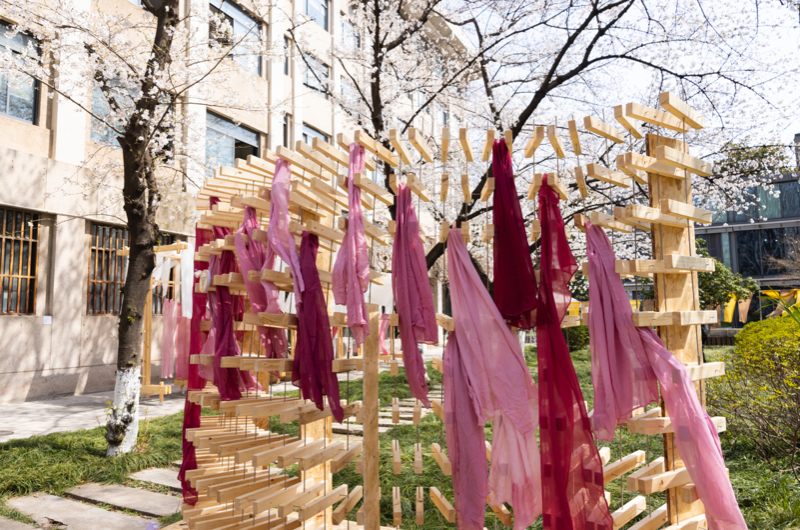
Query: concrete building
{"points": [[60, 271]]}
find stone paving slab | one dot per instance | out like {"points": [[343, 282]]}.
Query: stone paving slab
{"points": [[8, 524], [121, 497], [162, 477], [73, 515]]}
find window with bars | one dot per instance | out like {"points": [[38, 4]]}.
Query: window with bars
{"points": [[107, 270], [20, 235]]}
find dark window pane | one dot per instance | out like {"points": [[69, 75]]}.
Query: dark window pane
{"points": [[750, 211], [24, 266], [773, 249], [790, 199], [27, 227], [15, 259], [33, 260], [7, 257], [18, 226], [5, 294], [35, 227], [748, 252], [9, 224], [23, 295], [32, 296], [13, 295]]}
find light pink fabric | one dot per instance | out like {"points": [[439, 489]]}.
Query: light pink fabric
{"points": [[252, 257], [465, 442], [169, 326], [696, 437], [182, 343], [501, 387], [384, 327], [621, 374], [279, 241], [351, 270]]}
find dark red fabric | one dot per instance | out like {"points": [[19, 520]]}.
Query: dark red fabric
{"points": [[514, 278], [191, 411], [572, 472], [412, 294], [313, 357]]}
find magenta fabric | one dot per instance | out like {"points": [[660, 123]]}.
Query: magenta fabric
{"points": [[622, 377], [182, 340], [514, 277], [281, 243], [252, 256], [572, 471], [351, 270], [384, 327], [313, 356], [191, 411], [413, 297], [169, 328], [696, 437], [501, 387], [465, 442]]}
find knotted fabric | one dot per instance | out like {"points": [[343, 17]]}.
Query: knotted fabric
{"points": [[514, 277], [412, 294], [351, 270], [572, 471]]}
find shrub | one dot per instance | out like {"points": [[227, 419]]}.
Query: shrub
{"points": [[577, 338], [760, 391]]}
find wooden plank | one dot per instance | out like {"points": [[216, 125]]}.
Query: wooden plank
{"points": [[603, 129], [624, 514], [262, 503], [380, 193], [347, 505], [574, 138], [345, 457], [395, 410], [488, 143], [535, 141], [371, 453], [488, 189], [311, 168], [488, 233], [437, 408], [320, 456], [315, 200], [397, 462], [636, 174], [664, 481], [653, 468], [654, 117], [689, 263], [396, 140], [607, 175], [695, 523], [343, 141], [685, 161], [420, 505], [308, 152], [606, 221], [331, 152], [627, 123], [555, 182], [619, 216], [397, 507], [699, 372], [555, 141], [291, 457], [445, 322], [445, 150], [417, 415], [417, 458], [579, 220], [681, 110], [441, 458], [579, 178], [508, 136], [652, 165], [444, 231], [617, 469], [686, 211], [673, 318], [322, 503], [445, 186], [296, 502], [374, 147], [285, 320], [535, 186], [605, 454], [689, 493], [463, 139], [652, 521], [418, 187], [646, 214], [419, 143], [443, 505], [663, 425], [465, 231], [465, 191], [502, 513]]}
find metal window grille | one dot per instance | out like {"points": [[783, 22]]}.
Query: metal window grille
{"points": [[19, 261], [107, 270]]}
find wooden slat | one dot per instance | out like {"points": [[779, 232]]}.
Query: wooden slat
{"points": [[262, 503], [636, 174], [396, 410], [331, 152], [443, 505], [663, 425], [535, 141], [624, 514], [445, 144], [488, 233], [654, 117], [397, 461], [689, 263], [606, 221], [653, 468], [488, 143], [686, 211], [315, 156], [397, 507], [555, 141], [502, 513], [465, 191], [345, 457], [465, 146], [320, 456], [488, 189], [574, 138], [646, 214], [445, 186], [441, 458], [685, 161], [607, 175], [420, 505], [652, 521], [681, 110], [419, 143], [695, 523], [418, 187], [437, 408], [364, 182], [617, 469], [603, 129], [581, 181], [673, 318], [417, 459], [619, 216], [652, 165], [664, 481], [344, 141], [374, 147], [417, 414], [314, 507], [347, 505], [699, 372], [397, 142], [444, 231], [627, 123]]}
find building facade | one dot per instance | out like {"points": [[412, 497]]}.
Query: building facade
{"points": [[60, 271]]}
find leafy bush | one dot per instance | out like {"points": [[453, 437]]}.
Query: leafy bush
{"points": [[577, 338], [760, 391]]}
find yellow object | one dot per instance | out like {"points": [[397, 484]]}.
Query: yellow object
{"points": [[574, 309], [634, 305], [730, 305]]}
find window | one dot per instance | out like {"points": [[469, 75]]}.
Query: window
{"points": [[316, 76], [350, 36], [769, 206], [18, 93], [309, 133], [287, 48], [748, 252], [725, 239], [286, 130], [749, 212], [20, 235], [441, 115], [107, 270], [790, 199], [317, 10], [244, 33], [226, 141]]}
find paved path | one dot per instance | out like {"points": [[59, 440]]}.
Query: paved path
{"points": [[73, 413]]}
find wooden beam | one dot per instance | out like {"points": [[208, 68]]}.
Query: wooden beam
{"points": [[627, 124], [681, 110], [443, 505], [574, 138], [488, 189], [617, 469], [488, 143], [374, 147], [419, 143], [624, 514], [417, 458], [663, 425], [331, 152], [508, 136], [636, 174], [685, 161], [397, 507], [347, 505], [397, 461], [420, 505], [689, 263], [464, 141], [673, 318], [441, 458], [326, 501], [465, 191], [603, 129], [397, 142], [536, 229], [555, 141], [554, 182], [535, 141], [445, 144], [607, 175], [579, 178], [371, 404], [686, 211], [534, 186], [652, 165], [654, 117], [488, 233], [619, 216], [345, 457], [365, 184], [418, 187], [343, 141], [444, 231], [664, 481], [607, 221], [653, 468], [445, 187], [646, 214], [308, 152]]}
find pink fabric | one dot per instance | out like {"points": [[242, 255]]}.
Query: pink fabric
{"points": [[280, 242], [412, 294], [500, 385], [351, 270], [696, 437], [252, 257], [465, 442], [514, 278], [313, 357], [182, 341], [384, 327], [621, 374], [169, 327], [572, 472], [191, 411]]}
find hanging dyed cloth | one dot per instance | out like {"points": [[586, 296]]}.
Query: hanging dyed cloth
{"points": [[182, 338], [501, 387], [351, 270], [252, 257], [696, 437], [384, 327], [412, 294], [514, 278], [465, 442], [572, 471], [169, 328], [621, 374], [280, 243], [313, 358], [191, 411]]}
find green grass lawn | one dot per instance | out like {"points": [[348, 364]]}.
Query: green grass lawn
{"points": [[58, 462]]}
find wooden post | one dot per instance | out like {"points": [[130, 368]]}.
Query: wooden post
{"points": [[675, 292], [372, 496], [148, 337]]}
